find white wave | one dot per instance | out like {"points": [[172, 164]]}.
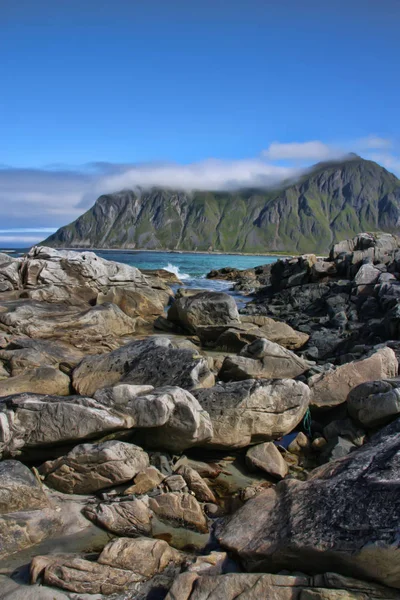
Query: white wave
{"points": [[173, 269]]}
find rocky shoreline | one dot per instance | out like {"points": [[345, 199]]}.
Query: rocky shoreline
{"points": [[156, 445]]}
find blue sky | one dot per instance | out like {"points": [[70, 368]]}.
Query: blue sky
{"points": [[187, 92]]}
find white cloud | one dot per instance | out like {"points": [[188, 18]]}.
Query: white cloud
{"points": [[27, 239], [314, 150], [207, 175], [29, 230], [373, 142], [35, 198]]}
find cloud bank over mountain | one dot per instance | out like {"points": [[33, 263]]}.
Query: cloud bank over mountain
{"points": [[55, 195]]}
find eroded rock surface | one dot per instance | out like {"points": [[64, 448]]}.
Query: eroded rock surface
{"points": [[92, 467], [249, 412], [345, 517]]}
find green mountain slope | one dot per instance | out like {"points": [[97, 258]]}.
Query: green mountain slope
{"points": [[333, 201]]}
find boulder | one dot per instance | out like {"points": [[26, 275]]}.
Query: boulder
{"points": [[250, 412], [375, 403], [47, 266], [102, 324], [145, 557], [43, 380], [175, 483], [290, 272], [366, 279], [196, 484], [277, 331], [182, 509], [170, 366], [95, 372], [267, 458], [25, 354], [9, 272], [146, 302], [262, 359], [214, 563], [130, 518], [26, 515], [77, 574], [202, 309], [234, 337], [344, 518], [333, 387], [152, 361], [246, 586], [170, 418], [92, 467], [145, 481], [32, 421]]}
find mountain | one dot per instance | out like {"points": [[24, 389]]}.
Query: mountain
{"points": [[333, 201]]}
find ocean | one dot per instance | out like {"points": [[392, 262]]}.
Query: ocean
{"points": [[189, 267]]}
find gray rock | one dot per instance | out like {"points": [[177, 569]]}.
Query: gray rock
{"points": [[262, 359], [143, 556], [337, 447], [47, 266], [175, 483], [170, 366], [202, 309], [375, 403], [25, 354], [26, 515], [249, 412], [196, 484], [43, 380], [181, 509], [152, 361], [95, 372], [344, 518], [76, 574], [194, 585], [267, 458], [332, 388], [366, 279], [103, 325], [170, 418], [130, 518], [92, 467], [31, 421]]}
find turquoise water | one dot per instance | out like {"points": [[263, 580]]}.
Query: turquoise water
{"points": [[190, 268], [185, 265]]}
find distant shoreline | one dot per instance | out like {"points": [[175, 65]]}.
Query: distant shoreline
{"points": [[210, 253]]}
